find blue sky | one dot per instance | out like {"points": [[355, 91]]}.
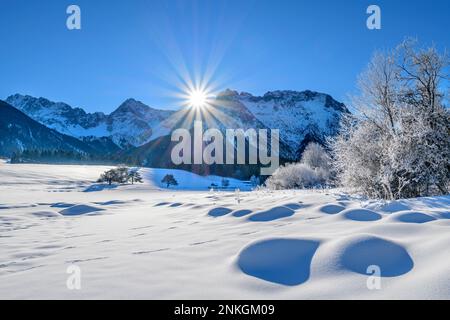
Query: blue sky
{"points": [[142, 49]]}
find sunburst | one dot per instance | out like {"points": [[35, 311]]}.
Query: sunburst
{"points": [[198, 99]]}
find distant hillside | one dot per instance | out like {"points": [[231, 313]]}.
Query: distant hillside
{"points": [[19, 132]]}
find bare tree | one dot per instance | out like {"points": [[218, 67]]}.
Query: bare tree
{"points": [[398, 145], [422, 70], [379, 86]]}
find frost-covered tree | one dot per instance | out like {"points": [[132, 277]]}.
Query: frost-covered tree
{"points": [[398, 144]]}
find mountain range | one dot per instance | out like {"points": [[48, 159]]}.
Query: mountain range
{"points": [[129, 125], [135, 130], [19, 132]]}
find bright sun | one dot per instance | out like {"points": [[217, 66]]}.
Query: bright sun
{"points": [[198, 99]]}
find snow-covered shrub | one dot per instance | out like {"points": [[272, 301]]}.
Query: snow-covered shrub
{"points": [[314, 170], [316, 158], [293, 176], [398, 145]]}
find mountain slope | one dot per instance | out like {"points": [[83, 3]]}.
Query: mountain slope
{"points": [[301, 117], [59, 116], [129, 125], [132, 122], [19, 132]]}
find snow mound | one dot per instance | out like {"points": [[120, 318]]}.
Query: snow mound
{"points": [[79, 210], [62, 205], [293, 206], [331, 208], [162, 204], [241, 213], [46, 214], [111, 203], [99, 187], [361, 215], [412, 217], [445, 215], [176, 205], [395, 206], [424, 203], [361, 252], [272, 214], [218, 212], [281, 261]]}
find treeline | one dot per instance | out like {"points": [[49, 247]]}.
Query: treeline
{"points": [[56, 156]]}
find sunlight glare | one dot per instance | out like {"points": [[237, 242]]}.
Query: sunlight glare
{"points": [[198, 99]]}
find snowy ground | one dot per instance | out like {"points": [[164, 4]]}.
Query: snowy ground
{"points": [[146, 242]]}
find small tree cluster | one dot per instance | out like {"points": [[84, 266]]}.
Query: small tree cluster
{"points": [[120, 175], [313, 170], [169, 180]]}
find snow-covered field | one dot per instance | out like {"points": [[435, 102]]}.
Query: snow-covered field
{"points": [[147, 242]]}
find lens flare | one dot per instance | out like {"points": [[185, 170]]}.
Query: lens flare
{"points": [[198, 99]]}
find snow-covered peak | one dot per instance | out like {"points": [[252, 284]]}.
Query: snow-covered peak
{"points": [[301, 116], [56, 115], [130, 124], [31, 104], [284, 97], [292, 97], [133, 106], [229, 94]]}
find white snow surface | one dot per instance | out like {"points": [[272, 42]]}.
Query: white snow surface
{"points": [[148, 242]]}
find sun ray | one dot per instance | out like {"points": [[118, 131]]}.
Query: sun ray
{"points": [[198, 99]]}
